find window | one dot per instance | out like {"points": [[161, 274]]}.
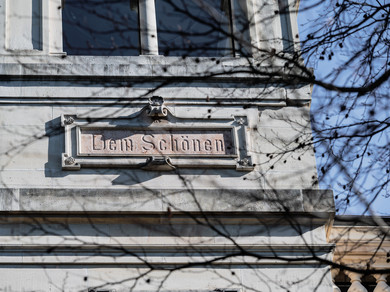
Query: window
{"points": [[196, 28], [166, 27], [100, 27]]}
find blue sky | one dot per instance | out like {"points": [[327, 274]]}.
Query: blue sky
{"points": [[327, 111]]}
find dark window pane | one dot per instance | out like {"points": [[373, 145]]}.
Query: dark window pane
{"points": [[101, 27], [194, 27], [36, 26]]}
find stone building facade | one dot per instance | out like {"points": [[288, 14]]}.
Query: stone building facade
{"points": [[147, 164]]}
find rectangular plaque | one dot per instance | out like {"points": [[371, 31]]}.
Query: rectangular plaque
{"points": [[156, 142]]}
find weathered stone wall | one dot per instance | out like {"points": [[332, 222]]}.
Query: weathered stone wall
{"points": [[35, 95], [251, 219], [73, 227]]}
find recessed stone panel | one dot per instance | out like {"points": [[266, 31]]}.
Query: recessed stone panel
{"points": [[172, 142]]}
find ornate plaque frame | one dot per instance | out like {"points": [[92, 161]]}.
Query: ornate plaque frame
{"points": [[157, 118]]}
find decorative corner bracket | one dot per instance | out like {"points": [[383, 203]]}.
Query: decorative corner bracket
{"points": [[156, 108], [245, 164], [160, 163], [69, 163], [241, 120], [67, 120]]}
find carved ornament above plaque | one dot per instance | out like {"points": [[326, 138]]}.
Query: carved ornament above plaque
{"points": [[154, 139]]}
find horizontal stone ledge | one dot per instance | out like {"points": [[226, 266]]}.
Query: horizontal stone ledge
{"points": [[144, 67], [125, 102], [167, 248], [167, 200], [160, 259], [145, 79], [76, 262]]}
